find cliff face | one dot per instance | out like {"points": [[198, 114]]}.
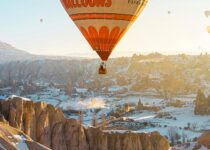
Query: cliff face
{"points": [[48, 126], [13, 139], [205, 139]]}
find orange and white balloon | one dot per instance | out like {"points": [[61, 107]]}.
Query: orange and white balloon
{"points": [[103, 22]]}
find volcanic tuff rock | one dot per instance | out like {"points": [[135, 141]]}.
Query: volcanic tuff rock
{"points": [[205, 139], [48, 126], [13, 139]]}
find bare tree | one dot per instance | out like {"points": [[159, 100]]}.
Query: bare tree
{"points": [[188, 125], [194, 126], [184, 137], [94, 121], [81, 117], [173, 135], [103, 121]]}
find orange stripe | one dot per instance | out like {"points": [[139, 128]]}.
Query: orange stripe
{"points": [[107, 16]]}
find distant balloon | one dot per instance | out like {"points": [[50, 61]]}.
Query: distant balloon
{"points": [[208, 29], [199, 47], [41, 20], [207, 13]]}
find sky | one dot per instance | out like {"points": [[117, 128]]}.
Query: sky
{"points": [[182, 31]]}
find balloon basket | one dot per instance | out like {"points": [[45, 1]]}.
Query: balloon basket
{"points": [[102, 70]]}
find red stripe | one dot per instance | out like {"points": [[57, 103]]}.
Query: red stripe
{"points": [[107, 16]]}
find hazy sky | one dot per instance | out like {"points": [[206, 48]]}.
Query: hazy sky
{"points": [[183, 31]]}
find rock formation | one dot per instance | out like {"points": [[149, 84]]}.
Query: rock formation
{"points": [[48, 126], [13, 139], [205, 139]]}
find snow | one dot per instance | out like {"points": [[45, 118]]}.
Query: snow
{"points": [[190, 147], [92, 104], [116, 88], [15, 96], [135, 100], [21, 142], [116, 131], [2, 97], [81, 90], [51, 96], [183, 116], [145, 118], [83, 104], [106, 104]]}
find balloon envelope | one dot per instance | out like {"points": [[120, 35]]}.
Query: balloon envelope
{"points": [[103, 22]]}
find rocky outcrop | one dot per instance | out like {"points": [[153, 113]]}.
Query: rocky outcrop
{"points": [[205, 139], [13, 139], [48, 126]]}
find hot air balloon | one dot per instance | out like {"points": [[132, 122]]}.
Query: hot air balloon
{"points": [[207, 13], [208, 29], [169, 12], [103, 22]]}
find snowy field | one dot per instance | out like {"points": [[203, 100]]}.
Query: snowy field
{"points": [[181, 118], [51, 96]]}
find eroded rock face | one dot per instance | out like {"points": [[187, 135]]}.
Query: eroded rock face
{"points": [[14, 139], [48, 126], [205, 139]]}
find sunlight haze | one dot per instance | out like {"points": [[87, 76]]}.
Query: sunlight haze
{"points": [[183, 30]]}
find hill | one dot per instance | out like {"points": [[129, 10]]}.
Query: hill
{"points": [[10, 53]]}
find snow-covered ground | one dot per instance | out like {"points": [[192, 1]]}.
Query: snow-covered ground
{"points": [[2, 97], [51, 96], [190, 146], [184, 117], [180, 118], [21, 145]]}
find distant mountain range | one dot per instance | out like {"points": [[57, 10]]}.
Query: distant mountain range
{"points": [[8, 53]]}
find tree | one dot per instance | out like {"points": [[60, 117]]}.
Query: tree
{"points": [[173, 135], [202, 104], [94, 121], [208, 100], [194, 126], [69, 89], [200, 98], [140, 105], [184, 137], [103, 121], [188, 125], [81, 117]]}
